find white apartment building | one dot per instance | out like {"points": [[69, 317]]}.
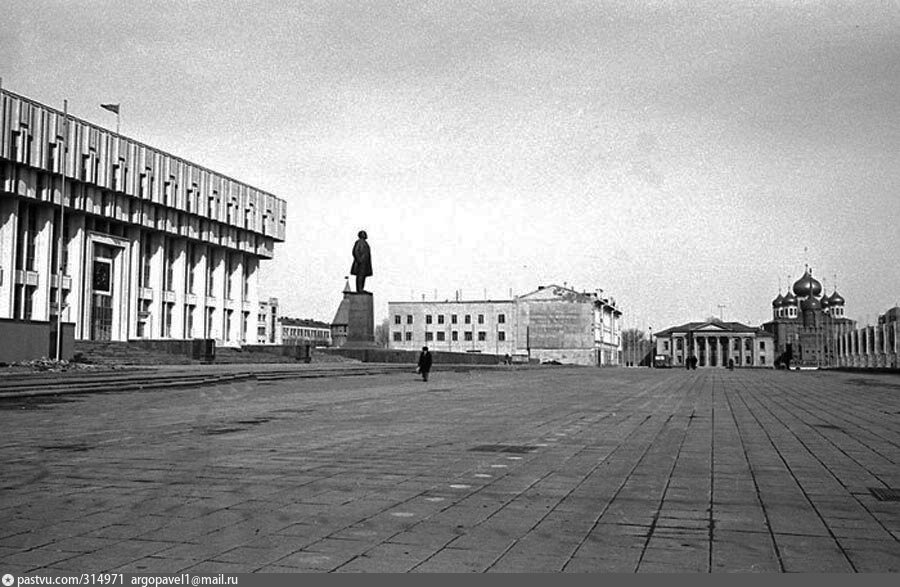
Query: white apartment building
{"points": [[550, 323]]}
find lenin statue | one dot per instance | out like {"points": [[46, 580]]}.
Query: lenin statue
{"points": [[362, 261]]}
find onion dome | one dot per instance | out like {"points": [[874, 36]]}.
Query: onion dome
{"points": [[807, 286], [825, 301], [779, 301], [811, 303], [835, 299], [789, 300]]}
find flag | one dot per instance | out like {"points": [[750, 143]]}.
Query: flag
{"points": [[110, 107]]}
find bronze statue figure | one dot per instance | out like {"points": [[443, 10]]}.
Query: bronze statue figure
{"points": [[362, 261]]}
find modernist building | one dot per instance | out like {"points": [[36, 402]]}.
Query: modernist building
{"points": [[807, 325], [551, 323], [715, 344], [293, 331], [267, 321], [152, 246], [872, 347]]}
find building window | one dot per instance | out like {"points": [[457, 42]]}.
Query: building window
{"points": [[397, 319], [453, 319], [468, 319], [427, 318], [409, 318], [501, 318], [409, 336], [467, 335], [748, 344], [762, 345], [441, 336], [482, 336], [481, 318], [501, 336], [209, 321], [167, 320], [429, 336], [454, 336], [189, 321], [398, 337], [440, 318], [665, 345], [762, 360], [679, 344]]}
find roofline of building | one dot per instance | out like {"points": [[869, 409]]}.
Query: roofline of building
{"points": [[140, 143]]}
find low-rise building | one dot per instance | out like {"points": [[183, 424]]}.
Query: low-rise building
{"points": [[715, 343], [552, 323], [293, 331]]}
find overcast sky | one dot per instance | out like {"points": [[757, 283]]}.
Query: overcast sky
{"points": [[678, 155]]}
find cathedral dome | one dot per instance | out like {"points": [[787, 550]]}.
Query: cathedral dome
{"points": [[835, 299], [826, 301], [789, 300], [779, 301], [807, 285], [811, 303]]}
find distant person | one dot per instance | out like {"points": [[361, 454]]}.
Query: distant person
{"points": [[362, 261], [424, 363]]}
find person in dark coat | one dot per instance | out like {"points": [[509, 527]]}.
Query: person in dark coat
{"points": [[424, 363], [362, 261]]}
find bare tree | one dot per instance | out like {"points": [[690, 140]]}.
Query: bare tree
{"points": [[635, 346], [382, 333]]}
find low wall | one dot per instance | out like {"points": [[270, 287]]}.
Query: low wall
{"points": [[300, 352], [379, 355], [30, 340]]}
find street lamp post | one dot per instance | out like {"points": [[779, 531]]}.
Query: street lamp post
{"points": [[652, 350]]}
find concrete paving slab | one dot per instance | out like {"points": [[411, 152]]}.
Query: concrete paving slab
{"points": [[619, 471]]}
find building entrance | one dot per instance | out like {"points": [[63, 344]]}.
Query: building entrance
{"points": [[102, 292]]}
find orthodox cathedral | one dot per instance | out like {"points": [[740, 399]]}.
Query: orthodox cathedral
{"points": [[807, 325]]}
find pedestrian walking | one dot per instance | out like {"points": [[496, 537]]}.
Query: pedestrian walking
{"points": [[424, 363]]}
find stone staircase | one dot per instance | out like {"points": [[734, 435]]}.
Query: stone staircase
{"points": [[121, 353]]}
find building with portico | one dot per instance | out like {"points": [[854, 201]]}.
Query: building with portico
{"points": [[715, 343]]}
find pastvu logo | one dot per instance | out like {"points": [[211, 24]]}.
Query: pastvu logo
{"points": [[8, 580]]}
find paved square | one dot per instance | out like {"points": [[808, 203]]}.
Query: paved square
{"points": [[554, 469]]}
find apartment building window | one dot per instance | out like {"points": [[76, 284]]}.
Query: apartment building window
{"points": [[482, 336], [501, 318], [440, 318], [454, 336], [396, 318], [409, 319], [441, 336], [481, 318], [501, 336], [467, 336], [429, 336], [468, 319], [452, 318], [409, 336], [427, 318], [762, 345], [397, 337]]}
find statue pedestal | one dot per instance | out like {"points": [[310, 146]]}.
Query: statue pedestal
{"points": [[360, 319], [354, 323]]}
